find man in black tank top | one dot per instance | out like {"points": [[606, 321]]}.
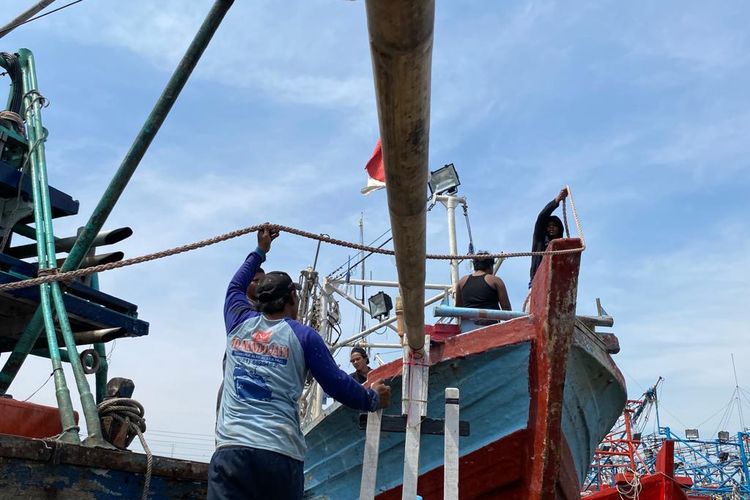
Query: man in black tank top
{"points": [[482, 289]]}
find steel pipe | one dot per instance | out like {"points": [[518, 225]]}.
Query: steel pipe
{"points": [[356, 303], [442, 311], [368, 331], [470, 313], [65, 244], [385, 284]]}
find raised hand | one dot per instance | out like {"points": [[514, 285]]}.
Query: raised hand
{"points": [[265, 237], [384, 392]]}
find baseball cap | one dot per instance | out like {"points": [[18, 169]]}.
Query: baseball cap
{"points": [[275, 285]]}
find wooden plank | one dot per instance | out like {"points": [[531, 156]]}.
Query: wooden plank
{"points": [[370, 459], [61, 203], [553, 304], [450, 460], [430, 426], [415, 390]]}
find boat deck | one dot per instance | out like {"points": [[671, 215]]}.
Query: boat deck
{"points": [[41, 468]]}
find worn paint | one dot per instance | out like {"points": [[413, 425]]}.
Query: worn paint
{"points": [[494, 399], [35, 468], [557, 390]]}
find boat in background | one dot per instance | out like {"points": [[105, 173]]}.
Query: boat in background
{"points": [[665, 466]]}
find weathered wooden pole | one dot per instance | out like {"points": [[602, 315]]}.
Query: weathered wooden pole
{"points": [[401, 47]]}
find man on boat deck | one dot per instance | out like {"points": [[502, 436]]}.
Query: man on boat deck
{"points": [[361, 363], [260, 446], [548, 227], [481, 290]]}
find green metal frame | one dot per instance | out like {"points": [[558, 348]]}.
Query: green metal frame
{"points": [[51, 294]]}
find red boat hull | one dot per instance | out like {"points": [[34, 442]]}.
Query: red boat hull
{"points": [[662, 485], [495, 471]]}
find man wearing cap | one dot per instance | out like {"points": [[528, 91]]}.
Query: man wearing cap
{"points": [[361, 363], [260, 447]]}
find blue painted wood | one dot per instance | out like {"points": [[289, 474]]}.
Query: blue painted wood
{"points": [[37, 469], [83, 310], [592, 401], [494, 399], [24, 270], [19, 480], [62, 204]]}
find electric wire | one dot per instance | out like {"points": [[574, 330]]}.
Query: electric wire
{"points": [[11, 28], [348, 260], [40, 387]]}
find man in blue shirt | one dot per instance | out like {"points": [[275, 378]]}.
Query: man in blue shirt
{"points": [[260, 447]]}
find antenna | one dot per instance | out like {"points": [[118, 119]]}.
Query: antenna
{"points": [[737, 394]]}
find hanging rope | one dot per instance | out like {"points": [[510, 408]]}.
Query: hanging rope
{"points": [[565, 219], [633, 489], [130, 412], [468, 228], [79, 273]]}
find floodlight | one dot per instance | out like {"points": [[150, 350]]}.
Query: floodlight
{"points": [[723, 436], [691, 434], [637, 436], [380, 305], [444, 180]]}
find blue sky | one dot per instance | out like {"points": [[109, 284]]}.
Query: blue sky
{"points": [[642, 108]]}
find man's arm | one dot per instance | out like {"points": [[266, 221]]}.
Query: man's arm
{"points": [[502, 294], [540, 227], [236, 306], [334, 381]]}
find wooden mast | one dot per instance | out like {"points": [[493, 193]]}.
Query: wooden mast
{"points": [[401, 47]]}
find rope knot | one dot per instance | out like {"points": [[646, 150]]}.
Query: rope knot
{"points": [[52, 271]]}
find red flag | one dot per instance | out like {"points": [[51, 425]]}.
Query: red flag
{"points": [[375, 171]]}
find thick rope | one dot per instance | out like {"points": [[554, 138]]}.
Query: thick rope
{"points": [[79, 273], [130, 412]]}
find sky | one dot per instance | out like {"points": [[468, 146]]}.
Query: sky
{"points": [[641, 107]]}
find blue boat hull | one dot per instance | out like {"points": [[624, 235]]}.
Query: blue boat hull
{"points": [[495, 401]]}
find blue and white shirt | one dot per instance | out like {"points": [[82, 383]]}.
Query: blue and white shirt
{"points": [[267, 362]]}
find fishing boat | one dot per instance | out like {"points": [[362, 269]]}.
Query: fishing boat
{"points": [[538, 390], [539, 393], [665, 466], [42, 454]]}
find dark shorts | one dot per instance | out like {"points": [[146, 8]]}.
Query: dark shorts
{"points": [[240, 472]]}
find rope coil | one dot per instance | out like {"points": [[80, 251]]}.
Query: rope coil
{"points": [[130, 413], [79, 273]]}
